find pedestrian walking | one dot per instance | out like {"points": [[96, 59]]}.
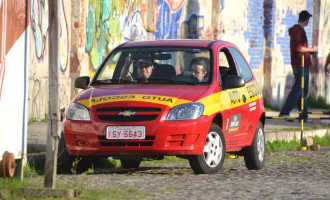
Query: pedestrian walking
{"points": [[298, 49]]}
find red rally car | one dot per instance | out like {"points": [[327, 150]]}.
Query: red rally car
{"points": [[195, 99]]}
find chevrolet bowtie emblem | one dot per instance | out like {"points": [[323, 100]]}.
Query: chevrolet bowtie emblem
{"points": [[127, 113]]}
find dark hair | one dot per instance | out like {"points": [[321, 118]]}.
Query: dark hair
{"points": [[304, 15], [205, 62]]}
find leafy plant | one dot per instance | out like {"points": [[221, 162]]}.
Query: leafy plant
{"points": [[33, 120], [29, 171]]}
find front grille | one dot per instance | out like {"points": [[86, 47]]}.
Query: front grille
{"points": [[147, 142], [138, 114], [132, 109], [133, 118]]}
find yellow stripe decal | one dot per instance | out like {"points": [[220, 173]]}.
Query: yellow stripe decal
{"points": [[164, 100], [229, 99]]}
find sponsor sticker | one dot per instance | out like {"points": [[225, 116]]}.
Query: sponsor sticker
{"points": [[235, 121]]}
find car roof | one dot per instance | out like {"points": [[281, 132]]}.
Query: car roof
{"points": [[178, 42]]}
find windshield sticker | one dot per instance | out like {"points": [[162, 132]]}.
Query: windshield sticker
{"points": [[235, 121]]}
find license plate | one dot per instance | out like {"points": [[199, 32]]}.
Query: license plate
{"points": [[126, 132]]}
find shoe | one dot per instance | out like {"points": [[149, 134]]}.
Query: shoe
{"points": [[308, 120], [289, 120]]}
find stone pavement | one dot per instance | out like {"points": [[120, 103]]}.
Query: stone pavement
{"points": [[286, 175], [275, 129]]}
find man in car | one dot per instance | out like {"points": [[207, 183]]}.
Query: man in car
{"points": [[144, 70], [199, 68]]}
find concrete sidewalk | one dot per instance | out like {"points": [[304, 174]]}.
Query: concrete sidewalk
{"points": [[274, 129]]}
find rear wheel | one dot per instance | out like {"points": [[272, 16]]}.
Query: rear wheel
{"points": [[254, 155], [129, 163], [212, 158]]}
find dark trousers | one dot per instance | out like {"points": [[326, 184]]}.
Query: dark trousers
{"points": [[294, 97]]}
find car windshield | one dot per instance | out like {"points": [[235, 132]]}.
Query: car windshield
{"points": [[156, 65]]}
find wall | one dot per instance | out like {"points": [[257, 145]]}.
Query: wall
{"points": [[109, 23], [258, 27], [280, 16], [38, 59]]}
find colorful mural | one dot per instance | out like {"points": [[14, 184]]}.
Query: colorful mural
{"points": [[64, 38], [39, 19], [110, 23], [39, 25], [131, 23], [98, 32], [168, 18], [194, 27]]}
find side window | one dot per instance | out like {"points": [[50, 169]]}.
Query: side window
{"points": [[242, 66], [226, 64]]}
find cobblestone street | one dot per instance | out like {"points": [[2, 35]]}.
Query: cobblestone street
{"points": [[287, 175]]}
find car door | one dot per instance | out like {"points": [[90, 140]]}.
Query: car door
{"points": [[232, 101], [248, 110]]}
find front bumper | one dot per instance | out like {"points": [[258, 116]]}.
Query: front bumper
{"points": [[162, 138]]}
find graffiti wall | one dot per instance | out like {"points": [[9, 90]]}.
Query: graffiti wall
{"points": [[95, 27], [13, 77], [39, 56], [110, 23]]}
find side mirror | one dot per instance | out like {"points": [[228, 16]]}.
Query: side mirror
{"points": [[81, 82], [233, 81]]}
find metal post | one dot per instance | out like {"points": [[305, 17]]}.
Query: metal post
{"points": [[302, 99]]}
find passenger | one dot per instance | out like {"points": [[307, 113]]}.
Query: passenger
{"points": [[199, 68], [144, 70]]}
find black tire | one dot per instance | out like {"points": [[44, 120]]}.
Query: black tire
{"points": [[130, 164], [213, 156], [65, 161], [254, 155]]}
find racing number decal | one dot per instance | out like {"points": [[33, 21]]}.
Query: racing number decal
{"points": [[235, 121]]}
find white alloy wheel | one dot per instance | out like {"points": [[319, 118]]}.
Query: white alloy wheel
{"points": [[211, 159], [261, 145], [213, 149]]}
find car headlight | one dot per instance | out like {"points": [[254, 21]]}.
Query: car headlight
{"points": [[77, 111], [187, 111]]}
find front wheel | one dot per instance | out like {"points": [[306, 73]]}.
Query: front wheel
{"points": [[212, 158], [67, 163], [254, 155]]}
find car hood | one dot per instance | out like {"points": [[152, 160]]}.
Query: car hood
{"points": [[140, 95]]}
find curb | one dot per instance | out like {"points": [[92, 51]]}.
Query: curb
{"points": [[294, 135]]}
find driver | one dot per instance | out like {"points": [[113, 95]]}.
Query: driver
{"points": [[199, 68], [144, 69]]}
